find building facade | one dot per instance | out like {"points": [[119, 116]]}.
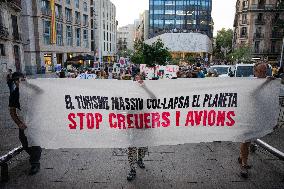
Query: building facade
{"points": [[259, 24], [105, 30], [125, 39], [54, 32], [182, 45], [142, 27], [180, 16], [11, 48]]}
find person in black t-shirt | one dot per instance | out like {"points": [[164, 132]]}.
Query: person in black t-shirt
{"points": [[9, 80], [14, 106]]}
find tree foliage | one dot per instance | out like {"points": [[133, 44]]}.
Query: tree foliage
{"points": [[242, 54], [151, 55], [223, 45]]}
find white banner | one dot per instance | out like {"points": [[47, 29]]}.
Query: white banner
{"points": [[70, 113]]}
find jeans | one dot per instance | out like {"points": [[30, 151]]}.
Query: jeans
{"points": [[33, 151]]}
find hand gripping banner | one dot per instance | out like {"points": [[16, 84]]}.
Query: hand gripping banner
{"points": [[70, 113]]}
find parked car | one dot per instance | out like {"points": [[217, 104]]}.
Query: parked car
{"points": [[224, 70], [246, 70]]}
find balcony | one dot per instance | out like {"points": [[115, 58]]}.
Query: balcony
{"points": [[16, 4], [258, 36], [261, 7], [277, 35], [4, 34], [46, 12], [259, 21]]}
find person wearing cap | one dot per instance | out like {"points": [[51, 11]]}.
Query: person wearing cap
{"points": [[15, 107]]}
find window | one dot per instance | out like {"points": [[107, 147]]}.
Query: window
{"points": [[68, 2], [69, 36], [2, 50], [85, 38], [78, 37], [85, 20], [244, 18], [59, 34], [46, 32], [244, 32], [85, 7], [68, 15], [273, 47], [44, 4], [77, 17], [256, 46], [76, 3], [58, 11]]}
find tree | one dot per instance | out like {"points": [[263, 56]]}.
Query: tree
{"points": [[223, 44], [151, 55], [242, 54]]}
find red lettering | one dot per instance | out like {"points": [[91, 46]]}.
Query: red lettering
{"points": [[205, 118], [90, 121], [129, 121], [147, 120], [99, 119], [231, 121], [81, 116], [177, 118], [73, 124], [155, 120], [211, 118], [198, 116], [121, 121], [189, 119], [165, 117], [110, 119], [221, 118]]}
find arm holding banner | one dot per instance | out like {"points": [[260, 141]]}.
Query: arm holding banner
{"points": [[16, 119]]}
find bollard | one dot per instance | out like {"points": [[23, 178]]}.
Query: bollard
{"points": [[4, 172]]}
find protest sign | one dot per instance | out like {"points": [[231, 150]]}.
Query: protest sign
{"points": [[64, 113]]}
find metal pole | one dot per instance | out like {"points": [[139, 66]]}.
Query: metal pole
{"points": [[281, 59], [270, 149]]}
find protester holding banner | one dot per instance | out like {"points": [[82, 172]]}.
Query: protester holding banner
{"points": [[260, 71], [14, 105], [136, 154]]}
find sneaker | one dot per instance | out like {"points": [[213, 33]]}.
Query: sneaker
{"points": [[244, 172], [141, 164], [131, 175], [34, 169]]}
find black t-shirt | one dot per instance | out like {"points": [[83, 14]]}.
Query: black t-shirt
{"points": [[9, 79], [14, 99]]}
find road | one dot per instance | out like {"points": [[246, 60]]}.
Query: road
{"points": [[204, 165]]}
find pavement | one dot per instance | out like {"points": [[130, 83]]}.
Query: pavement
{"points": [[203, 165]]}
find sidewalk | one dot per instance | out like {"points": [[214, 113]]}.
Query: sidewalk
{"points": [[204, 165]]}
